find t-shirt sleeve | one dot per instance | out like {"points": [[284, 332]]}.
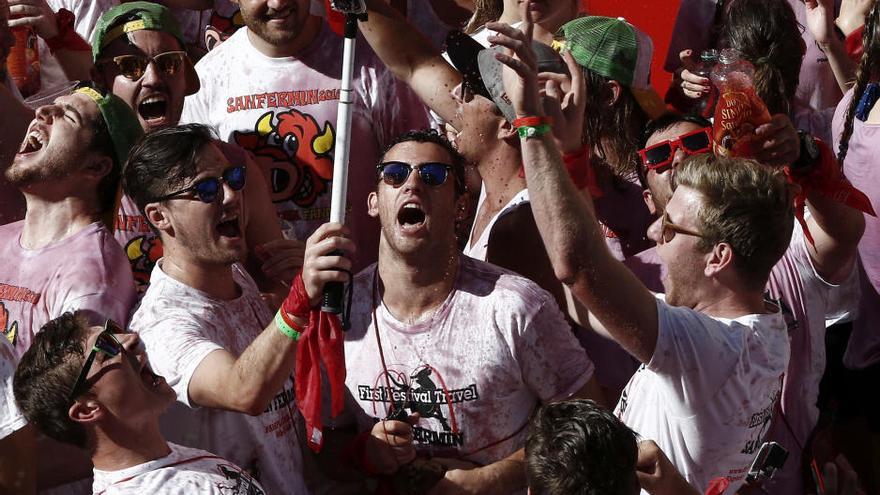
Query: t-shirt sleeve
{"points": [[11, 418], [553, 363], [695, 354], [841, 301], [175, 348]]}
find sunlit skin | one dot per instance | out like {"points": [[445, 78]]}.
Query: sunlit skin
{"points": [[683, 258], [56, 142]]}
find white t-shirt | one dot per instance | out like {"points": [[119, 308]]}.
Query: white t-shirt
{"points": [[709, 392], [284, 111], [184, 470], [11, 418], [475, 370], [478, 248], [180, 326]]}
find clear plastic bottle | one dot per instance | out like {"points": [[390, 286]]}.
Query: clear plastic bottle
{"points": [[738, 110], [23, 63], [705, 106]]}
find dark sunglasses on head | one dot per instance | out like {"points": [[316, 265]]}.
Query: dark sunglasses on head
{"points": [[105, 343], [207, 190], [133, 67], [661, 155], [431, 173]]}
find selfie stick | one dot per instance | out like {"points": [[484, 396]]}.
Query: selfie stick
{"points": [[333, 291]]}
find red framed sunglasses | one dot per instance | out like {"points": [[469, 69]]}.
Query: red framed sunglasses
{"points": [[660, 155]]}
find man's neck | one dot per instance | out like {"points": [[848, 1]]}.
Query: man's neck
{"points": [[731, 304], [214, 280], [48, 221], [122, 448], [412, 288], [501, 182], [311, 29]]}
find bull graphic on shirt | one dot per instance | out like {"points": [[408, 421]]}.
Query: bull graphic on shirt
{"points": [[220, 28], [420, 396], [294, 153], [10, 331], [244, 484], [143, 252]]}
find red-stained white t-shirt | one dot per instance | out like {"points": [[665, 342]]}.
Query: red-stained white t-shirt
{"points": [[708, 394], [183, 471], [475, 370], [180, 326], [84, 271], [284, 110]]}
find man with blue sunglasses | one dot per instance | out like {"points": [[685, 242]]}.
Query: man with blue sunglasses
{"points": [[463, 349], [203, 320], [92, 386]]}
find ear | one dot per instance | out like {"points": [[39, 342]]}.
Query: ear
{"points": [[98, 167], [157, 217], [86, 411], [373, 204], [505, 130], [616, 89], [719, 260], [649, 201]]}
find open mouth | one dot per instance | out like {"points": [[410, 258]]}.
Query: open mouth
{"points": [[411, 215], [33, 142], [153, 108], [229, 228]]}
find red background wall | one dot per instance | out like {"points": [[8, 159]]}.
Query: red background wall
{"points": [[654, 17]]}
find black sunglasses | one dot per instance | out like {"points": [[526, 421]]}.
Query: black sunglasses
{"points": [[133, 67], [207, 190], [395, 173], [106, 343]]}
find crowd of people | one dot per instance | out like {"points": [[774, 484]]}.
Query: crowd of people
{"points": [[528, 220]]}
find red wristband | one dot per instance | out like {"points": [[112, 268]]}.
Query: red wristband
{"points": [[67, 38], [297, 301], [532, 121]]}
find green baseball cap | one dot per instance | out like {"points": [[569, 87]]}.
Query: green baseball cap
{"points": [[121, 122], [124, 129], [615, 49], [135, 16]]}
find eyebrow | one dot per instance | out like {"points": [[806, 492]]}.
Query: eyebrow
{"points": [[70, 108]]}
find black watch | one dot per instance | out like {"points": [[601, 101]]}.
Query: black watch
{"points": [[809, 153]]}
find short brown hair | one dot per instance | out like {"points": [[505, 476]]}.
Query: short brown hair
{"points": [[747, 205], [47, 373]]}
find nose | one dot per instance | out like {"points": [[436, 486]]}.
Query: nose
{"points": [[152, 75], [47, 113], [228, 195], [654, 231], [414, 181]]}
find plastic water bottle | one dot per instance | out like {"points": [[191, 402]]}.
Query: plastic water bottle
{"points": [[738, 110], [705, 106]]}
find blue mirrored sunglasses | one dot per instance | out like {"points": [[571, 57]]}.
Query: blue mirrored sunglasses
{"points": [[395, 173], [207, 190]]}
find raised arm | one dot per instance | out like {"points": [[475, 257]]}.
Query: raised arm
{"points": [[248, 383], [820, 20], [412, 58], [568, 224]]}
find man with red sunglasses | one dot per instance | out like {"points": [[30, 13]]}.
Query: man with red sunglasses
{"points": [[714, 353], [669, 139], [93, 387]]}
